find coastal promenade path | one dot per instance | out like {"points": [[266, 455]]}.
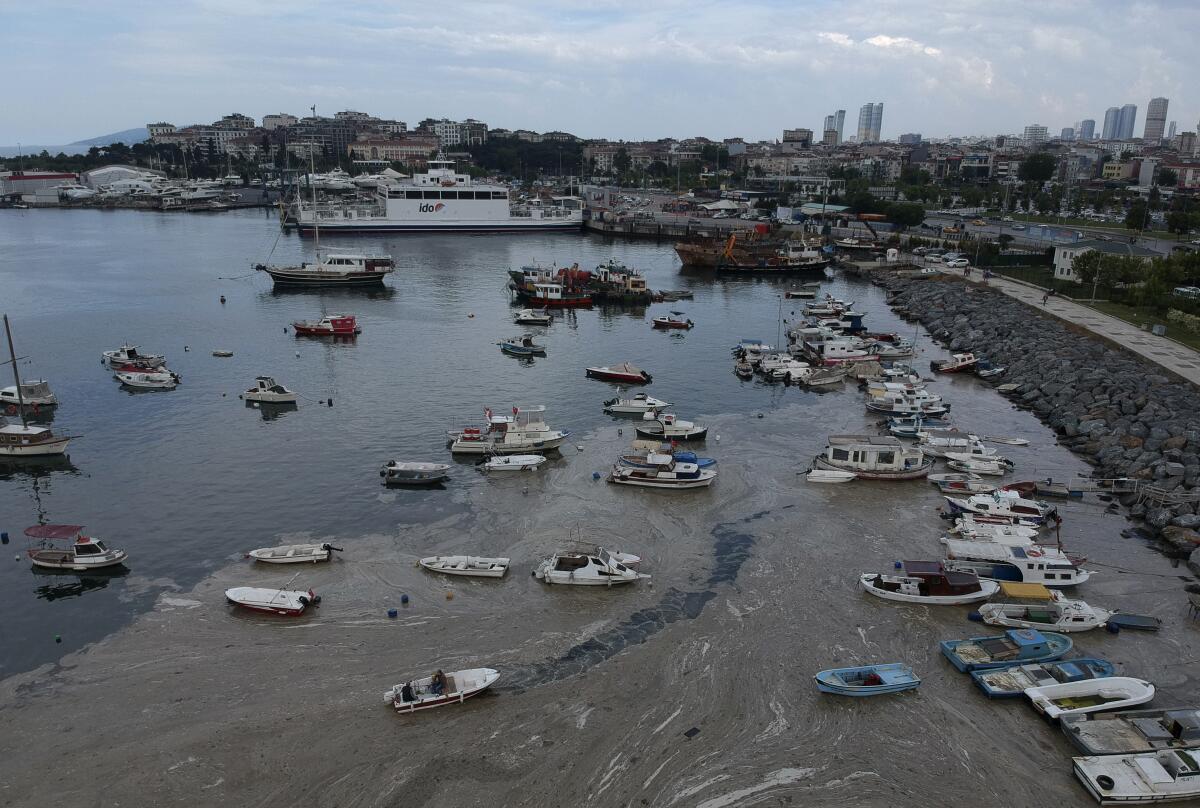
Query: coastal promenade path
{"points": [[1179, 359]]}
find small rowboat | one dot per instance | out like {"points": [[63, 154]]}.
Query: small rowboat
{"points": [[400, 473], [222, 354], [525, 462], [1015, 647], [1006, 441], [294, 553], [829, 476], [276, 601], [867, 680], [419, 694], [473, 566], [624, 373], [1089, 696]]}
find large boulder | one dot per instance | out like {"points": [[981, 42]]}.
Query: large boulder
{"points": [[1181, 541]]}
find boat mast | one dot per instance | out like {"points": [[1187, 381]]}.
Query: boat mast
{"points": [[312, 186], [12, 355]]}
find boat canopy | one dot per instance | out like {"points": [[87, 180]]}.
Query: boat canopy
{"points": [[60, 532], [1013, 589]]}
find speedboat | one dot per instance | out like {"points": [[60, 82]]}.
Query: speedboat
{"points": [[520, 462], [957, 363], [294, 553], [276, 601], [149, 381], [472, 566], [522, 346], [667, 427], [84, 552], [596, 568], [129, 355], [35, 394], [1089, 695], [400, 473], [1006, 503], [533, 317], [675, 319], [1014, 647], [1002, 683], [928, 582], [333, 325], [1170, 775], [624, 373], [268, 391], [663, 471], [640, 403], [523, 432], [420, 694], [867, 680]]}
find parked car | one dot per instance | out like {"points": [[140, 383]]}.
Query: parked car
{"points": [[1018, 227], [1007, 219], [979, 222], [934, 258], [958, 262], [920, 250]]}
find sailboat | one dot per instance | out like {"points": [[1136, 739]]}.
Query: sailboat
{"points": [[334, 269], [25, 440]]}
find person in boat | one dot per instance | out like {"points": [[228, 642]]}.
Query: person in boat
{"points": [[438, 685], [406, 693]]}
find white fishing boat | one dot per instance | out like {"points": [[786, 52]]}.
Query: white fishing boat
{"points": [[873, 457], [527, 462], [129, 355], [522, 432], [295, 553], [1151, 777], [23, 440], [35, 394], [597, 568], [928, 582], [398, 472], [268, 391], [937, 444], [472, 566], [961, 482], [1004, 503], [639, 404], [1040, 564], [663, 471], [290, 602], [1051, 611], [1089, 696], [829, 476], [669, 427], [148, 381], [817, 377], [453, 688], [989, 466], [533, 317], [82, 554], [971, 528]]}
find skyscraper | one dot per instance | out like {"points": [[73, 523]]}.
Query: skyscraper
{"points": [[1128, 119], [876, 121], [1034, 134], [1087, 129], [1068, 133], [829, 123], [1171, 131], [1156, 120], [839, 123], [1112, 124], [870, 121]]}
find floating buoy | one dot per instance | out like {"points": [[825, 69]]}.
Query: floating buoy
{"points": [[620, 432], [471, 316], [717, 438], [297, 354], [58, 638], [392, 612], [595, 475], [222, 299], [186, 349], [4, 537], [404, 599], [331, 402], [898, 565], [1112, 628], [579, 447], [975, 617], [449, 595], [760, 415]]}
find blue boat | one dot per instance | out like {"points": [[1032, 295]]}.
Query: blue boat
{"points": [[1004, 683], [639, 461], [1017, 646], [867, 680], [522, 346]]}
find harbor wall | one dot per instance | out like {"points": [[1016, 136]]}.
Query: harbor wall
{"points": [[1123, 415]]}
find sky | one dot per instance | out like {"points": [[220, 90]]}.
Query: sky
{"points": [[617, 69]]}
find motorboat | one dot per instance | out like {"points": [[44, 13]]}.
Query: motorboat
{"points": [[892, 350], [911, 426], [1151, 777], [793, 371], [1089, 695], [295, 553], [595, 568], [990, 465], [663, 471], [643, 449], [836, 351], [969, 527], [520, 462], [928, 582], [816, 377], [1005, 502], [1005, 440], [828, 306], [902, 405], [552, 294], [1133, 731], [668, 427], [268, 391], [397, 472], [289, 602], [937, 444], [624, 373], [1052, 611], [640, 403], [674, 320], [164, 380], [1003, 683], [129, 355], [873, 457], [472, 566], [457, 687], [743, 369], [35, 395], [344, 270], [1014, 647], [333, 325], [957, 363], [523, 432], [522, 345], [82, 554], [1040, 564], [533, 317], [867, 680], [829, 476], [961, 482]]}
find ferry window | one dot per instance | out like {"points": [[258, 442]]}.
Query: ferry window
{"points": [[429, 195], [412, 194], [499, 195], [841, 454], [450, 195]]}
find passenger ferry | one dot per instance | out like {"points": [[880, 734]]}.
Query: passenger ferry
{"points": [[439, 200]]}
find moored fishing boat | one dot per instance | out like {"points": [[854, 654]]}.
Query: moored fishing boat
{"points": [[1014, 647], [83, 553], [595, 568], [275, 601], [522, 345], [957, 363], [1089, 695], [533, 317], [402, 473], [268, 391], [829, 476], [623, 373], [873, 457], [961, 483], [470, 566], [1151, 777], [295, 553], [34, 394], [928, 582], [1003, 683], [1004, 502], [674, 320], [637, 405], [523, 432], [332, 325], [663, 471], [1039, 564], [147, 380], [342, 270], [129, 355], [987, 465], [1133, 731], [668, 427], [518, 462], [867, 680], [1053, 611], [434, 691]]}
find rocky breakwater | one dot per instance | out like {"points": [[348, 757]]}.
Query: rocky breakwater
{"points": [[1128, 418]]}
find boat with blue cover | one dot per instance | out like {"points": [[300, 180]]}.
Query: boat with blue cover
{"points": [[640, 460], [1004, 683], [867, 680], [1013, 647], [522, 346]]}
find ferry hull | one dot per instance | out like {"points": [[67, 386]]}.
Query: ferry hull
{"points": [[516, 226]]}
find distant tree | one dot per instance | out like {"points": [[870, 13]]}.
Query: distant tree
{"points": [[1167, 177], [1179, 222], [622, 161], [1037, 168], [972, 196], [905, 214], [1135, 217], [863, 202]]}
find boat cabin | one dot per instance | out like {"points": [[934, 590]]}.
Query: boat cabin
{"points": [[1039, 564], [266, 384], [14, 435], [871, 453], [34, 393], [620, 277], [929, 578], [348, 262]]}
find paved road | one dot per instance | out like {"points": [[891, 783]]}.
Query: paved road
{"points": [[1179, 359]]}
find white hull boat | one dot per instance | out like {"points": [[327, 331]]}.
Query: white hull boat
{"points": [[275, 601], [267, 391], [597, 568], [523, 432], [957, 588], [294, 553], [35, 394], [1004, 503], [129, 355], [1151, 777], [472, 566], [24, 440], [84, 553], [829, 476], [149, 381], [1089, 696], [663, 471], [1059, 614], [638, 405], [528, 462], [667, 427], [400, 473], [1044, 565], [532, 317], [1015, 535], [969, 464], [459, 686], [961, 482]]}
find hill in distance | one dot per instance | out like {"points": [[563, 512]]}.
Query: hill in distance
{"points": [[126, 136]]}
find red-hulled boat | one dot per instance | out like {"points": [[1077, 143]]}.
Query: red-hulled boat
{"points": [[624, 373], [335, 325], [675, 319], [958, 363]]}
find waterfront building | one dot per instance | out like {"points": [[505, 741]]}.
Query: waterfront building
{"points": [[1086, 130], [1156, 120], [1127, 120], [1065, 255], [413, 151], [1112, 124]]}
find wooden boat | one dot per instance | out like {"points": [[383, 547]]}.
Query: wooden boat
{"points": [[662, 471], [275, 601], [639, 404], [595, 568], [523, 432], [624, 373], [1151, 777], [873, 457], [1053, 612], [346, 270], [295, 553], [459, 686], [1133, 731], [129, 355], [1014, 647], [1039, 564], [1050, 488], [867, 680], [333, 325], [268, 391], [522, 346], [675, 294], [533, 317], [829, 476], [472, 566], [643, 449], [1138, 622], [400, 473], [930, 583], [963, 482], [1004, 683], [744, 370], [1089, 695], [521, 462], [668, 427], [83, 553], [674, 320], [958, 363]]}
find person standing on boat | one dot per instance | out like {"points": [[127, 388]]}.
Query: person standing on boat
{"points": [[438, 685], [406, 693]]}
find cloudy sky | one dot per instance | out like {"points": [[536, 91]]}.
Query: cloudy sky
{"points": [[615, 68]]}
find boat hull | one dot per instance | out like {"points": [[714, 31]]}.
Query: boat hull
{"points": [[285, 279], [56, 446], [483, 447], [908, 474], [621, 378], [986, 590], [514, 225], [692, 435]]}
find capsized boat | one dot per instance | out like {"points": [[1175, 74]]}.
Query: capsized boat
{"points": [[675, 319], [596, 568], [957, 363], [1003, 683], [624, 373], [640, 403], [290, 602], [1014, 647], [1133, 731], [295, 553], [928, 582], [1053, 611], [83, 552], [533, 317], [1089, 695], [420, 694], [398, 472], [268, 391], [668, 427], [129, 355], [1151, 777], [520, 462], [523, 432], [333, 325], [663, 471], [472, 566], [867, 680]]}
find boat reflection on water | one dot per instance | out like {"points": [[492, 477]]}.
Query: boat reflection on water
{"points": [[270, 411], [43, 416], [12, 468], [60, 584], [384, 292]]}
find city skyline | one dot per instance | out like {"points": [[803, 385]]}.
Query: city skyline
{"points": [[626, 71]]}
